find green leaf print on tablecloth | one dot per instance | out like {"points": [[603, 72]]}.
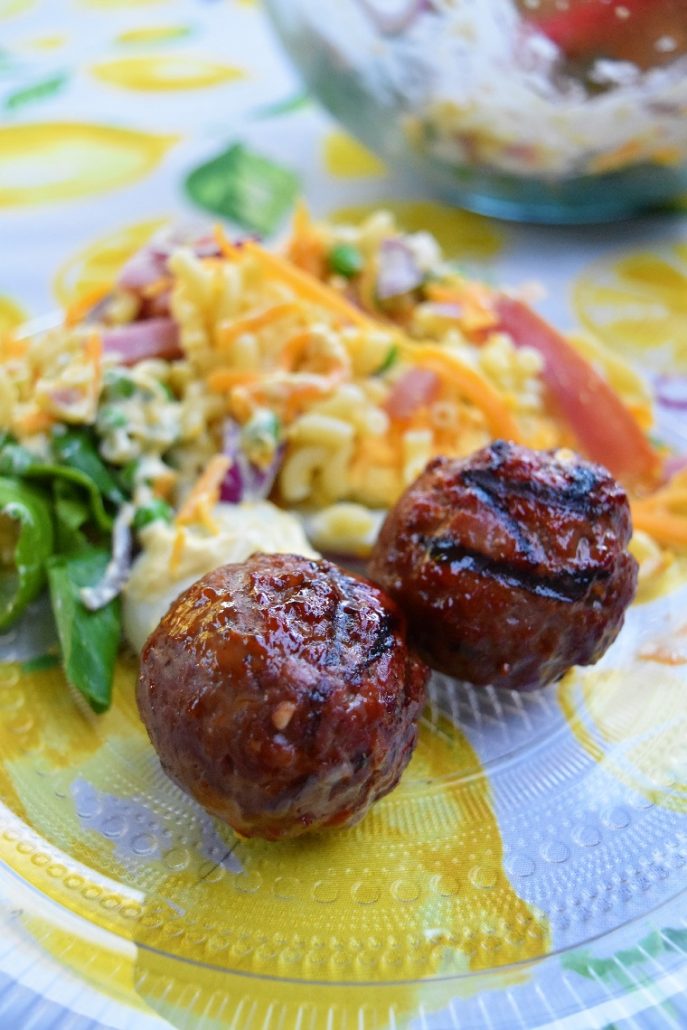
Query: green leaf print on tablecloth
{"points": [[246, 188], [36, 91]]}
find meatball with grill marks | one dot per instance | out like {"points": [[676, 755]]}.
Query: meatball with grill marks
{"points": [[511, 565], [280, 693]]}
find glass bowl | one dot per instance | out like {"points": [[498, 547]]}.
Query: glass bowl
{"points": [[540, 110]]}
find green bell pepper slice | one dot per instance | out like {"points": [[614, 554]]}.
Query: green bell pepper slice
{"points": [[26, 532]]}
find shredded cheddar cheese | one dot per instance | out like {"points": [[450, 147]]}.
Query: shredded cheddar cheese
{"points": [[205, 492]]}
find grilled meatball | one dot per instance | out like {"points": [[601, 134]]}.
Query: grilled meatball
{"points": [[280, 693], [511, 565]]}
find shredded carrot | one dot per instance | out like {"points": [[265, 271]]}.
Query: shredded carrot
{"points": [[470, 384], [226, 247], [473, 300], [177, 550], [221, 380], [306, 246], [663, 514], [205, 491], [163, 484], [294, 349], [80, 308], [13, 347], [306, 286], [93, 353], [666, 528], [35, 422], [300, 394], [228, 332]]}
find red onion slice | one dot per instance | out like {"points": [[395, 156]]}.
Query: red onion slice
{"points": [[671, 392], [137, 341], [399, 271], [245, 481]]}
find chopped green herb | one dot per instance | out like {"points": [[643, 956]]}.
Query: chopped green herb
{"points": [[345, 259], [112, 417], [390, 360], [37, 91], [128, 474], [118, 385], [157, 510]]}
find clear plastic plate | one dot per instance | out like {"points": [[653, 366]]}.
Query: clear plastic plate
{"points": [[529, 867]]}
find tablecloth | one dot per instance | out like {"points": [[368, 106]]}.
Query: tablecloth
{"points": [[119, 116]]}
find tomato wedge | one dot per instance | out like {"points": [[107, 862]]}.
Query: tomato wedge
{"points": [[604, 427], [587, 26]]}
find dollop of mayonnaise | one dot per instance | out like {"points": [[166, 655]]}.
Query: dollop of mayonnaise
{"points": [[172, 559]]}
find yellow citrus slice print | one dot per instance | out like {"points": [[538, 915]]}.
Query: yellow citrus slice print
{"points": [[52, 42], [8, 8], [153, 34], [635, 742], [96, 266], [637, 304], [417, 889], [460, 234], [11, 315], [161, 72], [52, 161], [113, 5], [345, 158]]}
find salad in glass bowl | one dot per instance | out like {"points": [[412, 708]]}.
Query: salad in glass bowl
{"points": [[527, 109]]}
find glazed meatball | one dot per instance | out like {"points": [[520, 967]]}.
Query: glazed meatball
{"points": [[281, 694], [511, 566]]}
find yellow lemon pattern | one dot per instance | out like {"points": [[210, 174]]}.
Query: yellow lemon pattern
{"points": [[460, 234], [11, 315], [151, 73], [637, 304], [8, 8], [95, 267], [350, 907], [435, 891], [153, 34], [635, 742], [52, 161], [345, 158]]}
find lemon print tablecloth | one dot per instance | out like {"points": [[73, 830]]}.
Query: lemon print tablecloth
{"points": [[530, 870]]}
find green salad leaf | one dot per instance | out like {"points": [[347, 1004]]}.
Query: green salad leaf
{"points": [[89, 640]]}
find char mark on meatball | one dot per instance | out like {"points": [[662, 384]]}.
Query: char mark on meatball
{"points": [[511, 565], [565, 586]]}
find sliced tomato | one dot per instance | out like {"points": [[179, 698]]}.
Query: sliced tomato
{"points": [[587, 26], [604, 428]]}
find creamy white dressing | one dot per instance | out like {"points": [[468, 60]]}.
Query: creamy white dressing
{"points": [[169, 563]]}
